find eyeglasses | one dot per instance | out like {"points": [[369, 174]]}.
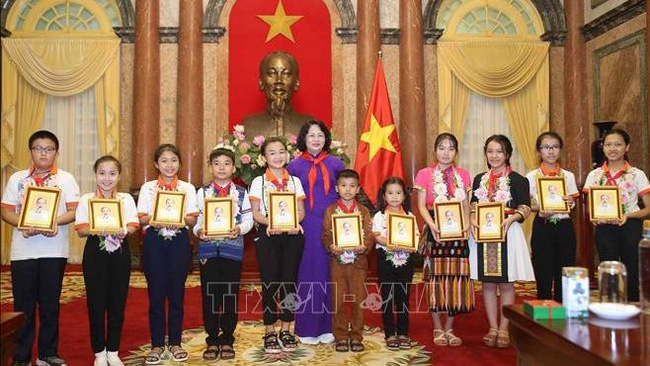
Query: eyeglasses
{"points": [[550, 147], [41, 149]]}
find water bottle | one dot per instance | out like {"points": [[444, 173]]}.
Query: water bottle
{"points": [[644, 268]]}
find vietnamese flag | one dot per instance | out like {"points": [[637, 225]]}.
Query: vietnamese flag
{"points": [[379, 155]]}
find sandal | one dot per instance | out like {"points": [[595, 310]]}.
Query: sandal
{"points": [[490, 339], [392, 343], [439, 338], [341, 346], [271, 344], [288, 341], [227, 352], [178, 353], [356, 346], [503, 339], [211, 353], [404, 342], [452, 339], [155, 356]]}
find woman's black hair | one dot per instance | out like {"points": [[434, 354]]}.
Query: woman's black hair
{"points": [[621, 132], [271, 140], [381, 201], [304, 130], [106, 158], [167, 147], [505, 143]]}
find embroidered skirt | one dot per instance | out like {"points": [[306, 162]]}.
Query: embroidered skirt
{"points": [[502, 262]]}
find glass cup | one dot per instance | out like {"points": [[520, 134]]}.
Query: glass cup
{"points": [[612, 282]]}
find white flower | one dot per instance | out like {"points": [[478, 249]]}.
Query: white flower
{"points": [[336, 144], [235, 142], [239, 128], [260, 161]]}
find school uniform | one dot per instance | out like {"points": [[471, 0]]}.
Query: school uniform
{"points": [[107, 270], [553, 241], [166, 261], [220, 261], [349, 271], [278, 255], [621, 243], [395, 273], [38, 263]]}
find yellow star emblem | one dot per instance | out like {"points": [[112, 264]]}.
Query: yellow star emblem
{"points": [[280, 23], [377, 137]]}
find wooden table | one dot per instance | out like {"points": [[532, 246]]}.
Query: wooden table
{"points": [[590, 342], [9, 323]]}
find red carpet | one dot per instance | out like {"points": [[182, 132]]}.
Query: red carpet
{"points": [[75, 345]]}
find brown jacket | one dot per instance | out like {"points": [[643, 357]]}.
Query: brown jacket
{"points": [[368, 237]]}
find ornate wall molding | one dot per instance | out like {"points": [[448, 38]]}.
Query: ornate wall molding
{"points": [[170, 34], [613, 18]]}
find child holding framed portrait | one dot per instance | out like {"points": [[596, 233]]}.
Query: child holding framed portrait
{"points": [[553, 192], [105, 217], [38, 257], [618, 234]]}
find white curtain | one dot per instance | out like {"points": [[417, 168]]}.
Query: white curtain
{"points": [[485, 117]]}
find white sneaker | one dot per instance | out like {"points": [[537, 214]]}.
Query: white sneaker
{"points": [[100, 359], [114, 359]]}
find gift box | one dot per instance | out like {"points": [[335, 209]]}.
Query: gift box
{"points": [[544, 309], [575, 291]]}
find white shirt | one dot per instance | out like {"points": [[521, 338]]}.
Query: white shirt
{"points": [[147, 196], [129, 212], [40, 246], [262, 185], [244, 206], [379, 226], [633, 184], [569, 179]]}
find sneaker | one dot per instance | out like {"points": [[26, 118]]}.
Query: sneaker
{"points": [[100, 359], [50, 361], [114, 359]]}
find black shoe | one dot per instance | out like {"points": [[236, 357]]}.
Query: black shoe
{"points": [[21, 363], [50, 361]]}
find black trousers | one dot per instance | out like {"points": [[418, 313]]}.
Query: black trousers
{"points": [[395, 288], [554, 247], [106, 276], [621, 243], [279, 259], [219, 292], [37, 281]]}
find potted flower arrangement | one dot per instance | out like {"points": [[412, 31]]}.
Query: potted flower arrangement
{"points": [[249, 159]]}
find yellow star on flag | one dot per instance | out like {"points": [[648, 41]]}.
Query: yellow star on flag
{"points": [[280, 23], [377, 137]]}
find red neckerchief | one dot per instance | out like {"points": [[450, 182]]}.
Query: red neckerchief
{"points": [[40, 181], [346, 210], [550, 173], [98, 193], [495, 177], [611, 180], [167, 186], [221, 192], [279, 185], [316, 161]]}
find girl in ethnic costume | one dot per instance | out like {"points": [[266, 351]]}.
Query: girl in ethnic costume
{"points": [[501, 264], [450, 288], [553, 241], [618, 240]]}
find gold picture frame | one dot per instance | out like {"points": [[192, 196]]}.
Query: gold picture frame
{"points": [[401, 230], [218, 217], [105, 216], [347, 230], [550, 193], [283, 211], [489, 217], [450, 220], [169, 208], [605, 203], [40, 208]]}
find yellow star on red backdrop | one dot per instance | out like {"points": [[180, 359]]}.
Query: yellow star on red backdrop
{"points": [[280, 23], [378, 137]]}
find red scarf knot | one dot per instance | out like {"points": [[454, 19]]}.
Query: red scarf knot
{"points": [[221, 192], [346, 210], [316, 162]]}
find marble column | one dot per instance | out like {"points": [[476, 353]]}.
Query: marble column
{"points": [[577, 127], [368, 45], [647, 29], [189, 108], [146, 96], [412, 118]]}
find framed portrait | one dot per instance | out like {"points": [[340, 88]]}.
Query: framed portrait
{"points": [[105, 216], [40, 208], [450, 220], [550, 191], [347, 230], [605, 203], [169, 208], [489, 217], [218, 218], [283, 210], [401, 230]]}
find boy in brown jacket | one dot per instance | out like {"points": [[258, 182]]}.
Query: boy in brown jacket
{"points": [[349, 266]]}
